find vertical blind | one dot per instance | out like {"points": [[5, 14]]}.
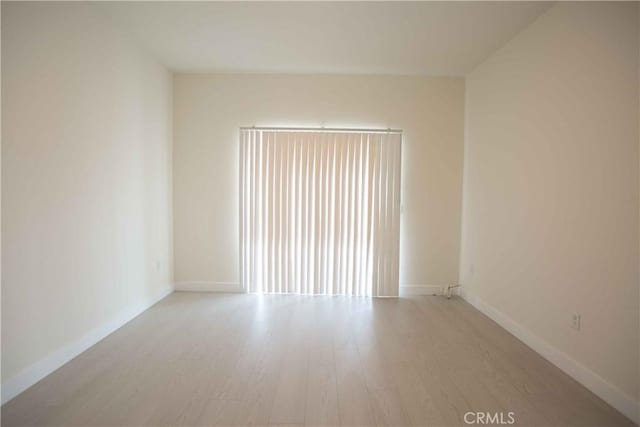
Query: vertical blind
{"points": [[320, 212]]}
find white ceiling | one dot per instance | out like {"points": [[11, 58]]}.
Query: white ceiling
{"points": [[422, 38]]}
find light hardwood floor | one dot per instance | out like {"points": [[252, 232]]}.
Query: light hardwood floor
{"points": [[231, 359]]}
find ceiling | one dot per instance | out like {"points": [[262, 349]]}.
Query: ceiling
{"points": [[414, 38]]}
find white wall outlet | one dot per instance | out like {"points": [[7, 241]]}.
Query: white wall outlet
{"points": [[157, 265], [576, 320], [472, 269]]}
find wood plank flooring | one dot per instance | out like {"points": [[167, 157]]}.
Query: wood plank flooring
{"points": [[199, 359]]}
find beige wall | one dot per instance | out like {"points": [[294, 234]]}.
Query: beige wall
{"points": [[86, 201], [550, 211], [209, 109]]}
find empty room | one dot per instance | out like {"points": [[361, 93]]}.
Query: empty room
{"points": [[378, 213]]}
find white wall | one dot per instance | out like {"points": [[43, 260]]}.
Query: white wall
{"points": [[209, 109], [86, 184], [550, 211]]}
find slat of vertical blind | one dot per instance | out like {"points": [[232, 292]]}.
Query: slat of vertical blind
{"points": [[396, 214], [278, 220], [270, 211], [339, 201], [371, 152], [330, 211], [317, 236], [241, 220], [346, 220]]}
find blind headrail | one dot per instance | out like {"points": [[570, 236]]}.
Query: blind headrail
{"points": [[321, 129]]}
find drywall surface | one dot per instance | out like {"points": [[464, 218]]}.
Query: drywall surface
{"points": [[86, 183], [209, 109], [550, 210]]}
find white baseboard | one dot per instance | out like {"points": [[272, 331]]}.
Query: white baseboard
{"points": [[230, 287], [40, 369], [234, 287], [408, 290], [592, 381]]}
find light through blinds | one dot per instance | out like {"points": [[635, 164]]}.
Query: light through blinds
{"points": [[320, 211]]}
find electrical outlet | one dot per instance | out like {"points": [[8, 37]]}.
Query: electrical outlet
{"points": [[157, 265], [576, 320], [472, 269]]}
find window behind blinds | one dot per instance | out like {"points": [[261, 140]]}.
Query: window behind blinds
{"points": [[320, 212]]}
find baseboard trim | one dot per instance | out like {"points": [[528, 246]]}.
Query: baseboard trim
{"points": [[408, 290], [592, 381], [234, 287], [40, 369], [203, 286]]}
